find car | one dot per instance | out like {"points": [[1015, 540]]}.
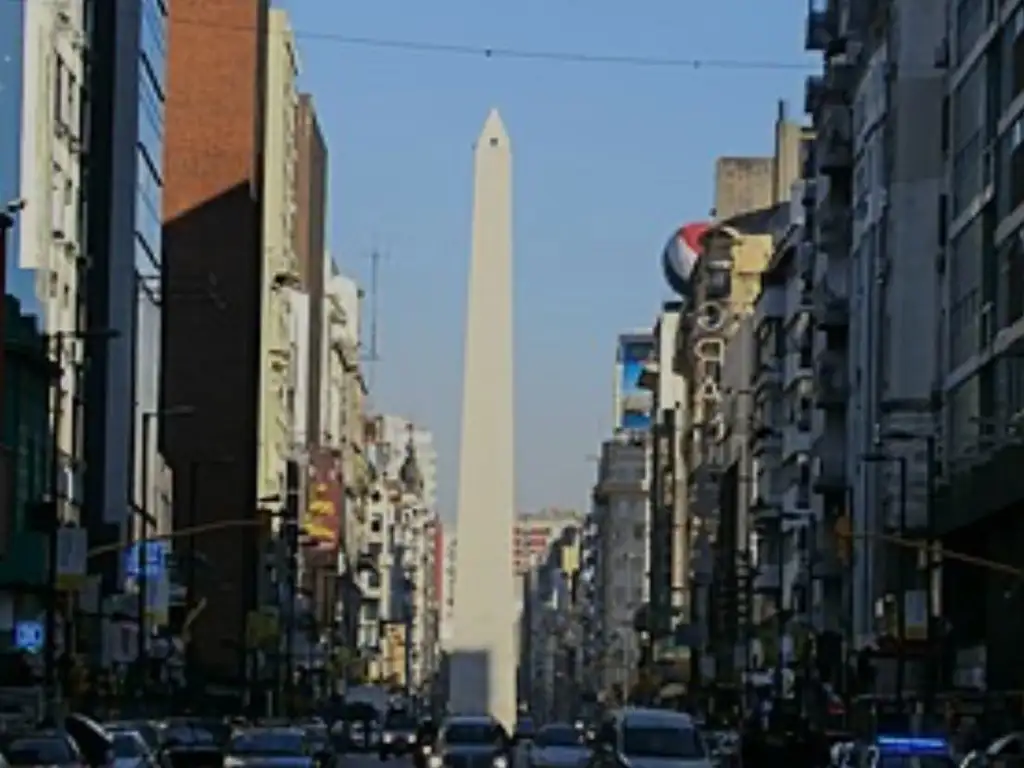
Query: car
{"points": [[472, 741], [649, 738], [52, 748], [398, 734], [131, 750], [559, 745], [282, 747]]}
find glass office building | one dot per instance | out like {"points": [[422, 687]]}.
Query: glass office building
{"points": [[128, 42]]}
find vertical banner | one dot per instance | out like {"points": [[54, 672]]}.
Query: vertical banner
{"points": [[322, 520]]}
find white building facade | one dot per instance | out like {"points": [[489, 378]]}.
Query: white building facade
{"points": [[51, 238]]}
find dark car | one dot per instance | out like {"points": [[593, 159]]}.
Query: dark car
{"points": [[49, 748], [398, 734], [473, 742], [270, 748], [559, 745], [188, 743]]}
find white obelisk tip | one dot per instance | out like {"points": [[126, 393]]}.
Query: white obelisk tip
{"points": [[493, 131]]}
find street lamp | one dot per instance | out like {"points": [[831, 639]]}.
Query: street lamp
{"points": [[901, 607], [142, 545], [54, 521]]}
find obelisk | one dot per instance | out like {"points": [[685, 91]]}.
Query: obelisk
{"points": [[482, 661]]}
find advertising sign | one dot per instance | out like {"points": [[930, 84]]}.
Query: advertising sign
{"points": [[155, 560], [321, 522], [636, 401]]}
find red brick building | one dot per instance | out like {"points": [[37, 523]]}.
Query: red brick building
{"points": [[212, 297]]}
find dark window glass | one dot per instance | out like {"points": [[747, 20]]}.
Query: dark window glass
{"points": [[970, 25], [558, 736], [473, 733], [154, 39], [662, 742], [1011, 263], [269, 742], [44, 751]]}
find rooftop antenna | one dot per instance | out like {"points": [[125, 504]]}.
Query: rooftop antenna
{"points": [[372, 354]]}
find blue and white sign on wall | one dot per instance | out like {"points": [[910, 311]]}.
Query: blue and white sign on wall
{"points": [[155, 560], [29, 636]]}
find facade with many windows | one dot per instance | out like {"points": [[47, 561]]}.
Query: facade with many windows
{"points": [[979, 490], [123, 192]]}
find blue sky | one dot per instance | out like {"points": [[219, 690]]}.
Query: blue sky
{"points": [[608, 160]]}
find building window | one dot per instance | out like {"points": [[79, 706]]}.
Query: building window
{"points": [[970, 25], [1011, 169], [969, 138], [1011, 280], [965, 279], [1012, 54]]}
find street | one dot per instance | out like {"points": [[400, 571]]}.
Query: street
{"points": [[370, 760]]}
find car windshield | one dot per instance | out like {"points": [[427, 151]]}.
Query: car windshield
{"points": [[559, 736], [42, 751], [662, 741], [127, 744], [473, 733], [277, 742], [145, 730], [400, 721], [183, 735]]}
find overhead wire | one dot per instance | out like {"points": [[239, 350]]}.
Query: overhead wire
{"points": [[511, 53], [521, 54]]}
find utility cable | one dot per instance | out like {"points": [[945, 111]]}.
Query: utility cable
{"points": [[507, 52]]}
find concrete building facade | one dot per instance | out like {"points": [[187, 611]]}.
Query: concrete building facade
{"points": [[620, 520], [280, 269], [482, 659], [213, 294], [51, 231]]}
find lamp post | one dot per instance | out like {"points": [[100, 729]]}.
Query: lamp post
{"points": [[901, 575], [53, 523], [142, 545]]}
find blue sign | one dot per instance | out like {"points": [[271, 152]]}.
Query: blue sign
{"points": [[29, 636], [155, 560]]}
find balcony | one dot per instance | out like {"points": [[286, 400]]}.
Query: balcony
{"points": [[829, 472], [768, 375], [835, 140], [831, 309], [831, 388], [822, 28], [834, 224], [814, 93], [764, 439]]}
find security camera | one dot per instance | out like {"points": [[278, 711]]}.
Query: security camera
{"points": [[15, 206]]}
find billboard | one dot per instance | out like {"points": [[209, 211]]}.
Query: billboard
{"points": [[679, 257], [634, 401], [321, 522]]}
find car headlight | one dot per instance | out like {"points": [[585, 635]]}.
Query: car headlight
{"points": [[500, 762], [233, 762], [435, 761], [388, 738]]}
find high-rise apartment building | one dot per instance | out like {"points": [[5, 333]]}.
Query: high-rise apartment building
{"points": [[280, 267], [213, 295], [311, 256], [52, 229], [620, 588]]}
